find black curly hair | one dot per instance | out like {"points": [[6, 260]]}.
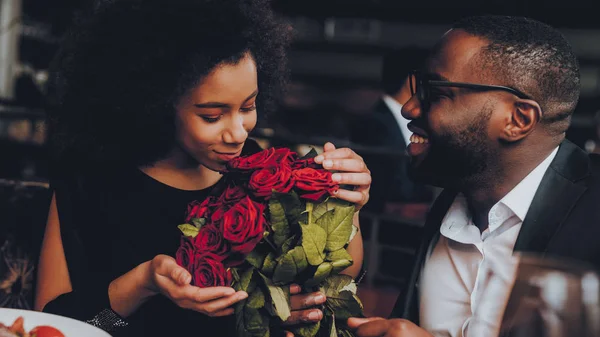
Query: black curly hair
{"points": [[533, 57], [124, 65]]}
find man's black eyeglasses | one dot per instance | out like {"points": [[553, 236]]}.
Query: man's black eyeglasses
{"points": [[420, 85]]}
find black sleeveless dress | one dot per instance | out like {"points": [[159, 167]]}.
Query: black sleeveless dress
{"points": [[112, 220]]}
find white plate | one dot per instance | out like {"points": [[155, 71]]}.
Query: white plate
{"points": [[68, 326]]}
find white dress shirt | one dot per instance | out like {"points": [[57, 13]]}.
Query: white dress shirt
{"points": [[454, 300], [396, 109]]}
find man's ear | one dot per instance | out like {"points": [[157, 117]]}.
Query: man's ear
{"points": [[525, 115]]}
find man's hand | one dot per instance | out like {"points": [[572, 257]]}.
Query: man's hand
{"points": [[304, 306], [380, 327]]}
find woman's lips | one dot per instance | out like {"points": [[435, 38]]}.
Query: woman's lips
{"points": [[227, 156]]}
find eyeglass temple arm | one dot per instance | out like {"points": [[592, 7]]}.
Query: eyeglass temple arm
{"points": [[477, 86]]}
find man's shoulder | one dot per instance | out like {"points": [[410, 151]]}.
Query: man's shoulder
{"points": [[594, 163], [593, 180]]}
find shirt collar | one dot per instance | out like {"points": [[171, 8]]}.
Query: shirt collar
{"points": [[520, 197], [516, 202]]}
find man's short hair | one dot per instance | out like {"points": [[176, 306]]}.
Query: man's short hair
{"points": [[530, 56]]}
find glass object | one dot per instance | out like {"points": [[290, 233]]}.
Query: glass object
{"points": [[550, 298]]}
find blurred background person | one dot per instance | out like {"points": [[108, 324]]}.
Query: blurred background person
{"points": [[385, 130]]}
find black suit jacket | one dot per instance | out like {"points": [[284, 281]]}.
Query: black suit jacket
{"points": [[563, 219], [379, 129]]}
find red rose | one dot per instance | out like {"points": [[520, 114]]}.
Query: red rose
{"points": [[313, 184], [243, 225], [185, 253], [232, 195], [264, 181], [199, 209], [252, 162], [283, 156], [303, 163], [210, 239], [208, 271]]}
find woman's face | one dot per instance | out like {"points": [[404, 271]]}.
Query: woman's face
{"points": [[213, 119]]}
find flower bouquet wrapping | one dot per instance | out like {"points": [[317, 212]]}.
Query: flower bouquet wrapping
{"points": [[268, 224]]}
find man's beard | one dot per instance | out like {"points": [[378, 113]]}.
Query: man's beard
{"points": [[458, 158]]}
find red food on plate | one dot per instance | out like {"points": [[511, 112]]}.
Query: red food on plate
{"points": [[18, 330], [45, 331]]}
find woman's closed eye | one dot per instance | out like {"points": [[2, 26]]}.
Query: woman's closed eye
{"points": [[211, 119], [248, 108]]}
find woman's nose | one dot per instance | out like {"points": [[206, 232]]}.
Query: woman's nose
{"points": [[235, 133], [412, 108]]}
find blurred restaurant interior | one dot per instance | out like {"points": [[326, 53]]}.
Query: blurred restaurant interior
{"points": [[335, 60]]}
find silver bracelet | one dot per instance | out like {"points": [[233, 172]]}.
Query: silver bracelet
{"points": [[107, 320]]}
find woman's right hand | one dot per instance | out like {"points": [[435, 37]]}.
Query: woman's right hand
{"points": [[173, 281]]}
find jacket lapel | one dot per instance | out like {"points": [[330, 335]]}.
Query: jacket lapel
{"points": [[563, 183]]}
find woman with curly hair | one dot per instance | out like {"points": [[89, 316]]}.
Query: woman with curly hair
{"points": [[150, 99]]}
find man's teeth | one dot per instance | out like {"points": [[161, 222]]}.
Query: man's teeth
{"points": [[414, 138]]}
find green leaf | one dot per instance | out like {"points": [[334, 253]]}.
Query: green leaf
{"points": [[340, 265], [198, 222], [306, 330], [188, 230], [269, 264], [256, 299], [346, 305], [292, 205], [338, 227], [255, 323], [279, 222], [289, 244], [245, 280], [328, 205], [335, 284], [340, 297], [290, 265], [340, 259], [279, 304], [257, 256], [340, 254], [314, 240], [340, 284], [310, 154], [322, 272], [256, 259], [249, 321], [240, 325]]}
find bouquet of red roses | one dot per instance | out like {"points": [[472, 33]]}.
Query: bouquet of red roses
{"points": [[269, 223]]}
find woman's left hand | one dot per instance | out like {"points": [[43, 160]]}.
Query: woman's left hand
{"points": [[351, 170]]}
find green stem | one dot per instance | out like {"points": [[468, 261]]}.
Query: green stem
{"points": [[267, 240], [309, 209]]}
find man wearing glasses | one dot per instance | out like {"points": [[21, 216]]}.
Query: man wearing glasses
{"points": [[489, 114]]}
